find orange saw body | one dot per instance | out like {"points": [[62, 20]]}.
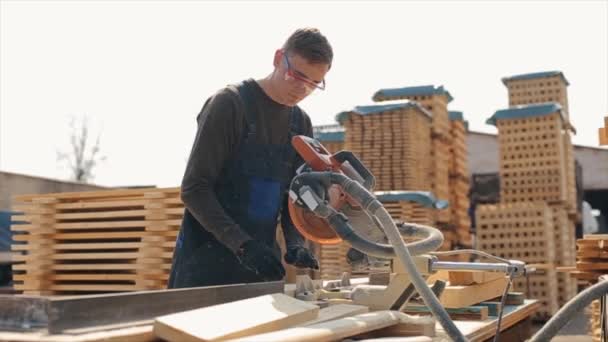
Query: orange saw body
{"points": [[317, 158]]}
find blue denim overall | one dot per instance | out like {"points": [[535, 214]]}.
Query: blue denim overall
{"points": [[251, 191]]}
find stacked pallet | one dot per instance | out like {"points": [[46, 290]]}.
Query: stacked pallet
{"points": [[102, 241], [591, 257], [603, 132], [534, 164], [393, 141], [523, 231], [332, 260], [435, 100], [459, 180]]}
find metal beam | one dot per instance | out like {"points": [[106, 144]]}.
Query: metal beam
{"points": [[33, 313]]}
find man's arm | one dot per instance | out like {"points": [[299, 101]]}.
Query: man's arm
{"points": [[219, 125]]}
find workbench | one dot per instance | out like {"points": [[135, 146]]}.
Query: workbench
{"points": [[142, 331]]}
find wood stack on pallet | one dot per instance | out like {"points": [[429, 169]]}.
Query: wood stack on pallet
{"points": [[591, 264], [435, 100], [603, 132], [102, 241], [393, 141], [459, 180], [537, 190]]}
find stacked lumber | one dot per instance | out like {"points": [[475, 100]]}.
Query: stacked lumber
{"points": [[603, 132], [523, 231], [591, 257], [100, 241], [332, 260], [459, 180], [448, 156], [393, 141]]}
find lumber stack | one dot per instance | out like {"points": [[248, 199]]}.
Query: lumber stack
{"points": [[393, 141], [448, 157], [100, 241], [603, 132], [459, 180], [332, 260], [591, 264]]}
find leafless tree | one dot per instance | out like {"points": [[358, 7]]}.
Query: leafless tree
{"points": [[83, 156]]}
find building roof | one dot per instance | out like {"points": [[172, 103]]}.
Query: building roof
{"points": [[526, 111], [534, 75], [375, 109], [411, 91]]}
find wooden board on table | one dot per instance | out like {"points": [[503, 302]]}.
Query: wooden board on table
{"points": [[468, 278], [236, 319], [337, 311], [467, 295], [333, 330]]}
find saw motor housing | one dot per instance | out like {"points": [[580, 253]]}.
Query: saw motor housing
{"points": [[317, 158]]}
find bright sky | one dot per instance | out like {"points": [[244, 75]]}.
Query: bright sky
{"points": [[141, 70]]}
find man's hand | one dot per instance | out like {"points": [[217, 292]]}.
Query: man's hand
{"points": [[260, 259], [301, 257]]}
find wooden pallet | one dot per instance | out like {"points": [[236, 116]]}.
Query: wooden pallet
{"points": [[520, 231], [541, 286], [102, 241], [332, 260], [533, 159]]}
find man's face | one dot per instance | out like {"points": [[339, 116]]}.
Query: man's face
{"points": [[297, 77]]}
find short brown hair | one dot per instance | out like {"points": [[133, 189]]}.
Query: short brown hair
{"points": [[310, 44]]}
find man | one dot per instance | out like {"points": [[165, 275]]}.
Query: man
{"points": [[240, 168]]}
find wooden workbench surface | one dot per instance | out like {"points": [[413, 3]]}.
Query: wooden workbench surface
{"points": [[474, 330]]}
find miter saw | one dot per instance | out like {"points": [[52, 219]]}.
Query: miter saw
{"points": [[331, 201]]}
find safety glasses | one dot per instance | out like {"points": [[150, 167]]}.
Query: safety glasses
{"points": [[292, 74]]}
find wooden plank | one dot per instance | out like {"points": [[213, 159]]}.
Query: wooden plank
{"points": [[237, 319], [337, 311], [461, 296], [333, 330], [57, 314], [469, 313], [468, 278]]}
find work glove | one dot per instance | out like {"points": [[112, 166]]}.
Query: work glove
{"points": [[260, 259], [301, 257]]}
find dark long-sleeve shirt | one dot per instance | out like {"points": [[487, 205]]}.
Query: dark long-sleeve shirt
{"points": [[220, 126]]}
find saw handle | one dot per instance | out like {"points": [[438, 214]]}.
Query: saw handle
{"points": [[355, 169]]}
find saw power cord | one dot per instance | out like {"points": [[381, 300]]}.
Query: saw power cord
{"points": [[502, 305]]}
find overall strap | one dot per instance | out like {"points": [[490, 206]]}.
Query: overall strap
{"points": [[246, 94]]}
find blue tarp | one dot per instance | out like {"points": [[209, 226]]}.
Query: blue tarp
{"points": [[526, 112], [534, 75], [330, 136], [411, 91], [375, 109], [424, 198]]}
